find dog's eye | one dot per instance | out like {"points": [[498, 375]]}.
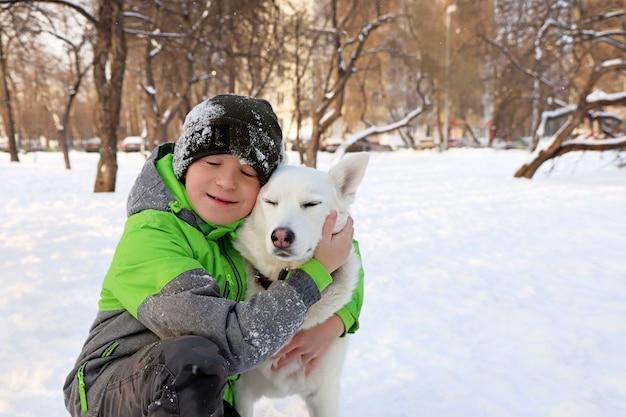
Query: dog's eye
{"points": [[311, 204], [270, 202]]}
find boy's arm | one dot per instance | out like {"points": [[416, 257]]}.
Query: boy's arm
{"points": [[156, 278], [310, 345]]}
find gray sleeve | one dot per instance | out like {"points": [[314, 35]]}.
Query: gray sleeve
{"points": [[248, 332]]}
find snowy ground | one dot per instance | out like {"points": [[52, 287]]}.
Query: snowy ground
{"points": [[486, 296]]}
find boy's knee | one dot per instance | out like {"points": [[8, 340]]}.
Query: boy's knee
{"points": [[190, 357], [199, 374], [182, 376]]}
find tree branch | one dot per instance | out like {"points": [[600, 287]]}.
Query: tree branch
{"points": [[67, 3]]}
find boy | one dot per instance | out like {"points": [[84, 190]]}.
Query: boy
{"points": [[172, 326]]}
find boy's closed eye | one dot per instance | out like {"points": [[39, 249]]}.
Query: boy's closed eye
{"points": [[248, 171]]}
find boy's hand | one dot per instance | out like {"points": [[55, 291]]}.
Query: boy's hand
{"points": [[310, 345], [334, 249]]}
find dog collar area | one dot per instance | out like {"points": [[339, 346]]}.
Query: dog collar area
{"points": [[265, 282]]}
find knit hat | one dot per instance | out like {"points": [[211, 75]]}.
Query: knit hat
{"points": [[245, 127]]}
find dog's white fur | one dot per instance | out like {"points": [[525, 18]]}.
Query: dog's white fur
{"points": [[299, 199]]}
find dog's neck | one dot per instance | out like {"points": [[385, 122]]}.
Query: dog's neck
{"points": [[265, 282]]}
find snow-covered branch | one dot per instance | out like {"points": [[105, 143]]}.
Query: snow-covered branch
{"points": [[554, 114], [372, 130], [600, 96], [154, 34], [593, 143], [595, 100]]}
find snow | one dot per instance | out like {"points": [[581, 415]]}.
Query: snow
{"points": [[150, 90], [486, 295], [554, 114], [600, 95], [593, 141]]}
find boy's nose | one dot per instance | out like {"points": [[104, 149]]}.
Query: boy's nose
{"points": [[227, 180]]}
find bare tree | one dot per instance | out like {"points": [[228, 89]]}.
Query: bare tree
{"points": [[348, 61], [332, 76], [595, 45], [32, 26], [255, 44], [5, 103], [302, 60], [109, 65], [76, 74], [468, 66], [424, 90], [518, 98], [189, 50], [173, 38]]}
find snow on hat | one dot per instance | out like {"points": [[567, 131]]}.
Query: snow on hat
{"points": [[245, 127]]}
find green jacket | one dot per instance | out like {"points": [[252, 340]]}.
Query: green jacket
{"points": [[174, 274]]}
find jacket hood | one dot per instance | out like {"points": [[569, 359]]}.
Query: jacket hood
{"points": [[149, 190]]}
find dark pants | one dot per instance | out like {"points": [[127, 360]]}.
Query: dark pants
{"points": [[184, 376]]}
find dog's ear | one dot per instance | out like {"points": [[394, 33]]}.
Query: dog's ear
{"points": [[348, 173], [283, 159]]}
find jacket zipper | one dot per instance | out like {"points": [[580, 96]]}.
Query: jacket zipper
{"points": [[80, 374], [233, 268], [108, 351]]}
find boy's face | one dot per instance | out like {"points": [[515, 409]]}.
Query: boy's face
{"points": [[221, 189]]}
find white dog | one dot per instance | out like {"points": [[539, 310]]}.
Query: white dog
{"points": [[281, 233]]}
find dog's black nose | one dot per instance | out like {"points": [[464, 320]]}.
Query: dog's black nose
{"points": [[283, 237]]}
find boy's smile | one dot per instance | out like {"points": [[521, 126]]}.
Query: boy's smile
{"points": [[221, 200], [221, 189]]}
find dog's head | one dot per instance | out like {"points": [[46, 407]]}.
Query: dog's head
{"points": [[286, 223]]}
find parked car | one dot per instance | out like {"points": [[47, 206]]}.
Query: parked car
{"points": [[132, 144], [332, 144], [361, 145], [521, 143], [426, 143], [4, 144], [92, 144], [33, 145]]}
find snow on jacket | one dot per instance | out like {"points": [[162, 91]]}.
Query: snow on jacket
{"points": [[174, 274]]}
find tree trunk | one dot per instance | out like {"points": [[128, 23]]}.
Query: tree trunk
{"points": [[576, 117], [7, 111], [65, 122], [61, 133], [529, 169], [312, 145], [109, 57]]}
